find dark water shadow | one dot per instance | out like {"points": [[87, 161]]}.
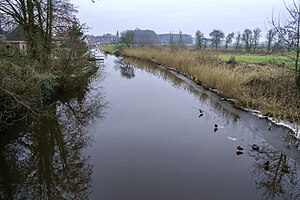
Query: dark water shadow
{"points": [[43, 157]]}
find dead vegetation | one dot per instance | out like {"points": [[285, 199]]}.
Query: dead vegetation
{"points": [[269, 88]]}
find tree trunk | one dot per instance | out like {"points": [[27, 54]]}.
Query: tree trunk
{"points": [[29, 30], [297, 54], [48, 39]]}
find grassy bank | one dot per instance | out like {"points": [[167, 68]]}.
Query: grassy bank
{"points": [[269, 88]]}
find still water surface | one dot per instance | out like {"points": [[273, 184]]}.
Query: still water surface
{"points": [[136, 133]]}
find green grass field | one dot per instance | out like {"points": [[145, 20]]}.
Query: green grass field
{"points": [[112, 48], [255, 59]]}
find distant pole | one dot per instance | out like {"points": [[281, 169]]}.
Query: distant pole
{"points": [[118, 37]]}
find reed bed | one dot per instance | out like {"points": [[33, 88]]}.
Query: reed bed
{"points": [[270, 89]]}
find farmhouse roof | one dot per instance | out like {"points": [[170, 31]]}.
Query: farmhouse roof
{"points": [[16, 35]]}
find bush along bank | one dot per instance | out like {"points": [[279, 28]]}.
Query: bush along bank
{"points": [[28, 86], [269, 89]]}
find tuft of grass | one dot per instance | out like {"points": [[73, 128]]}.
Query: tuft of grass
{"points": [[267, 88]]}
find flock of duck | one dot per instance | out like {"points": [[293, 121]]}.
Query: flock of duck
{"points": [[239, 149], [254, 147], [201, 114]]}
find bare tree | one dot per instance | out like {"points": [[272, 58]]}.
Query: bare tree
{"points": [[279, 44], [117, 37], [199, 40], [171, 39], [247, 38], [288, 29], [205, 41], [228, 39], [63, 16], [180, 42], [256, 36], [270, 38], [216, 38], [238, 40]]}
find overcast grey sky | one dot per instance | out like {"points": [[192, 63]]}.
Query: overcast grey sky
{"points": [[163, 16]]}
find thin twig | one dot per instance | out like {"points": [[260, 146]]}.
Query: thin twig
{"points": [[18, 100]]}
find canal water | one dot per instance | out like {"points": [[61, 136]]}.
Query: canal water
{"points": [[140, 132]]}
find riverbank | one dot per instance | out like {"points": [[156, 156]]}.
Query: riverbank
{"points": [[269, 89]]}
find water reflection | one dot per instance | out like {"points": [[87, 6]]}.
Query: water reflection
{"points": [[155, 70], [274, 173], [179, 83], [43, 157], [126, 70]]}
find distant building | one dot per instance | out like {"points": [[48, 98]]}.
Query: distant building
{"points": [[2, 36], [14, 40], [57, 41], [106, 41], [2, 39]]}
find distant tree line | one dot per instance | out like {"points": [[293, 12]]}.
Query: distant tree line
{"points": [[248, 40], [146, 37], [276, 40], [143, 37]]}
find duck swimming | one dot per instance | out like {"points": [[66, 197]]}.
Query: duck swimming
{"points": [[255, 147], [239, 148]]}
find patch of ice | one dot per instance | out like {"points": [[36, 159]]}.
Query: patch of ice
{"points": [[233, 139], [295, 128]]}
